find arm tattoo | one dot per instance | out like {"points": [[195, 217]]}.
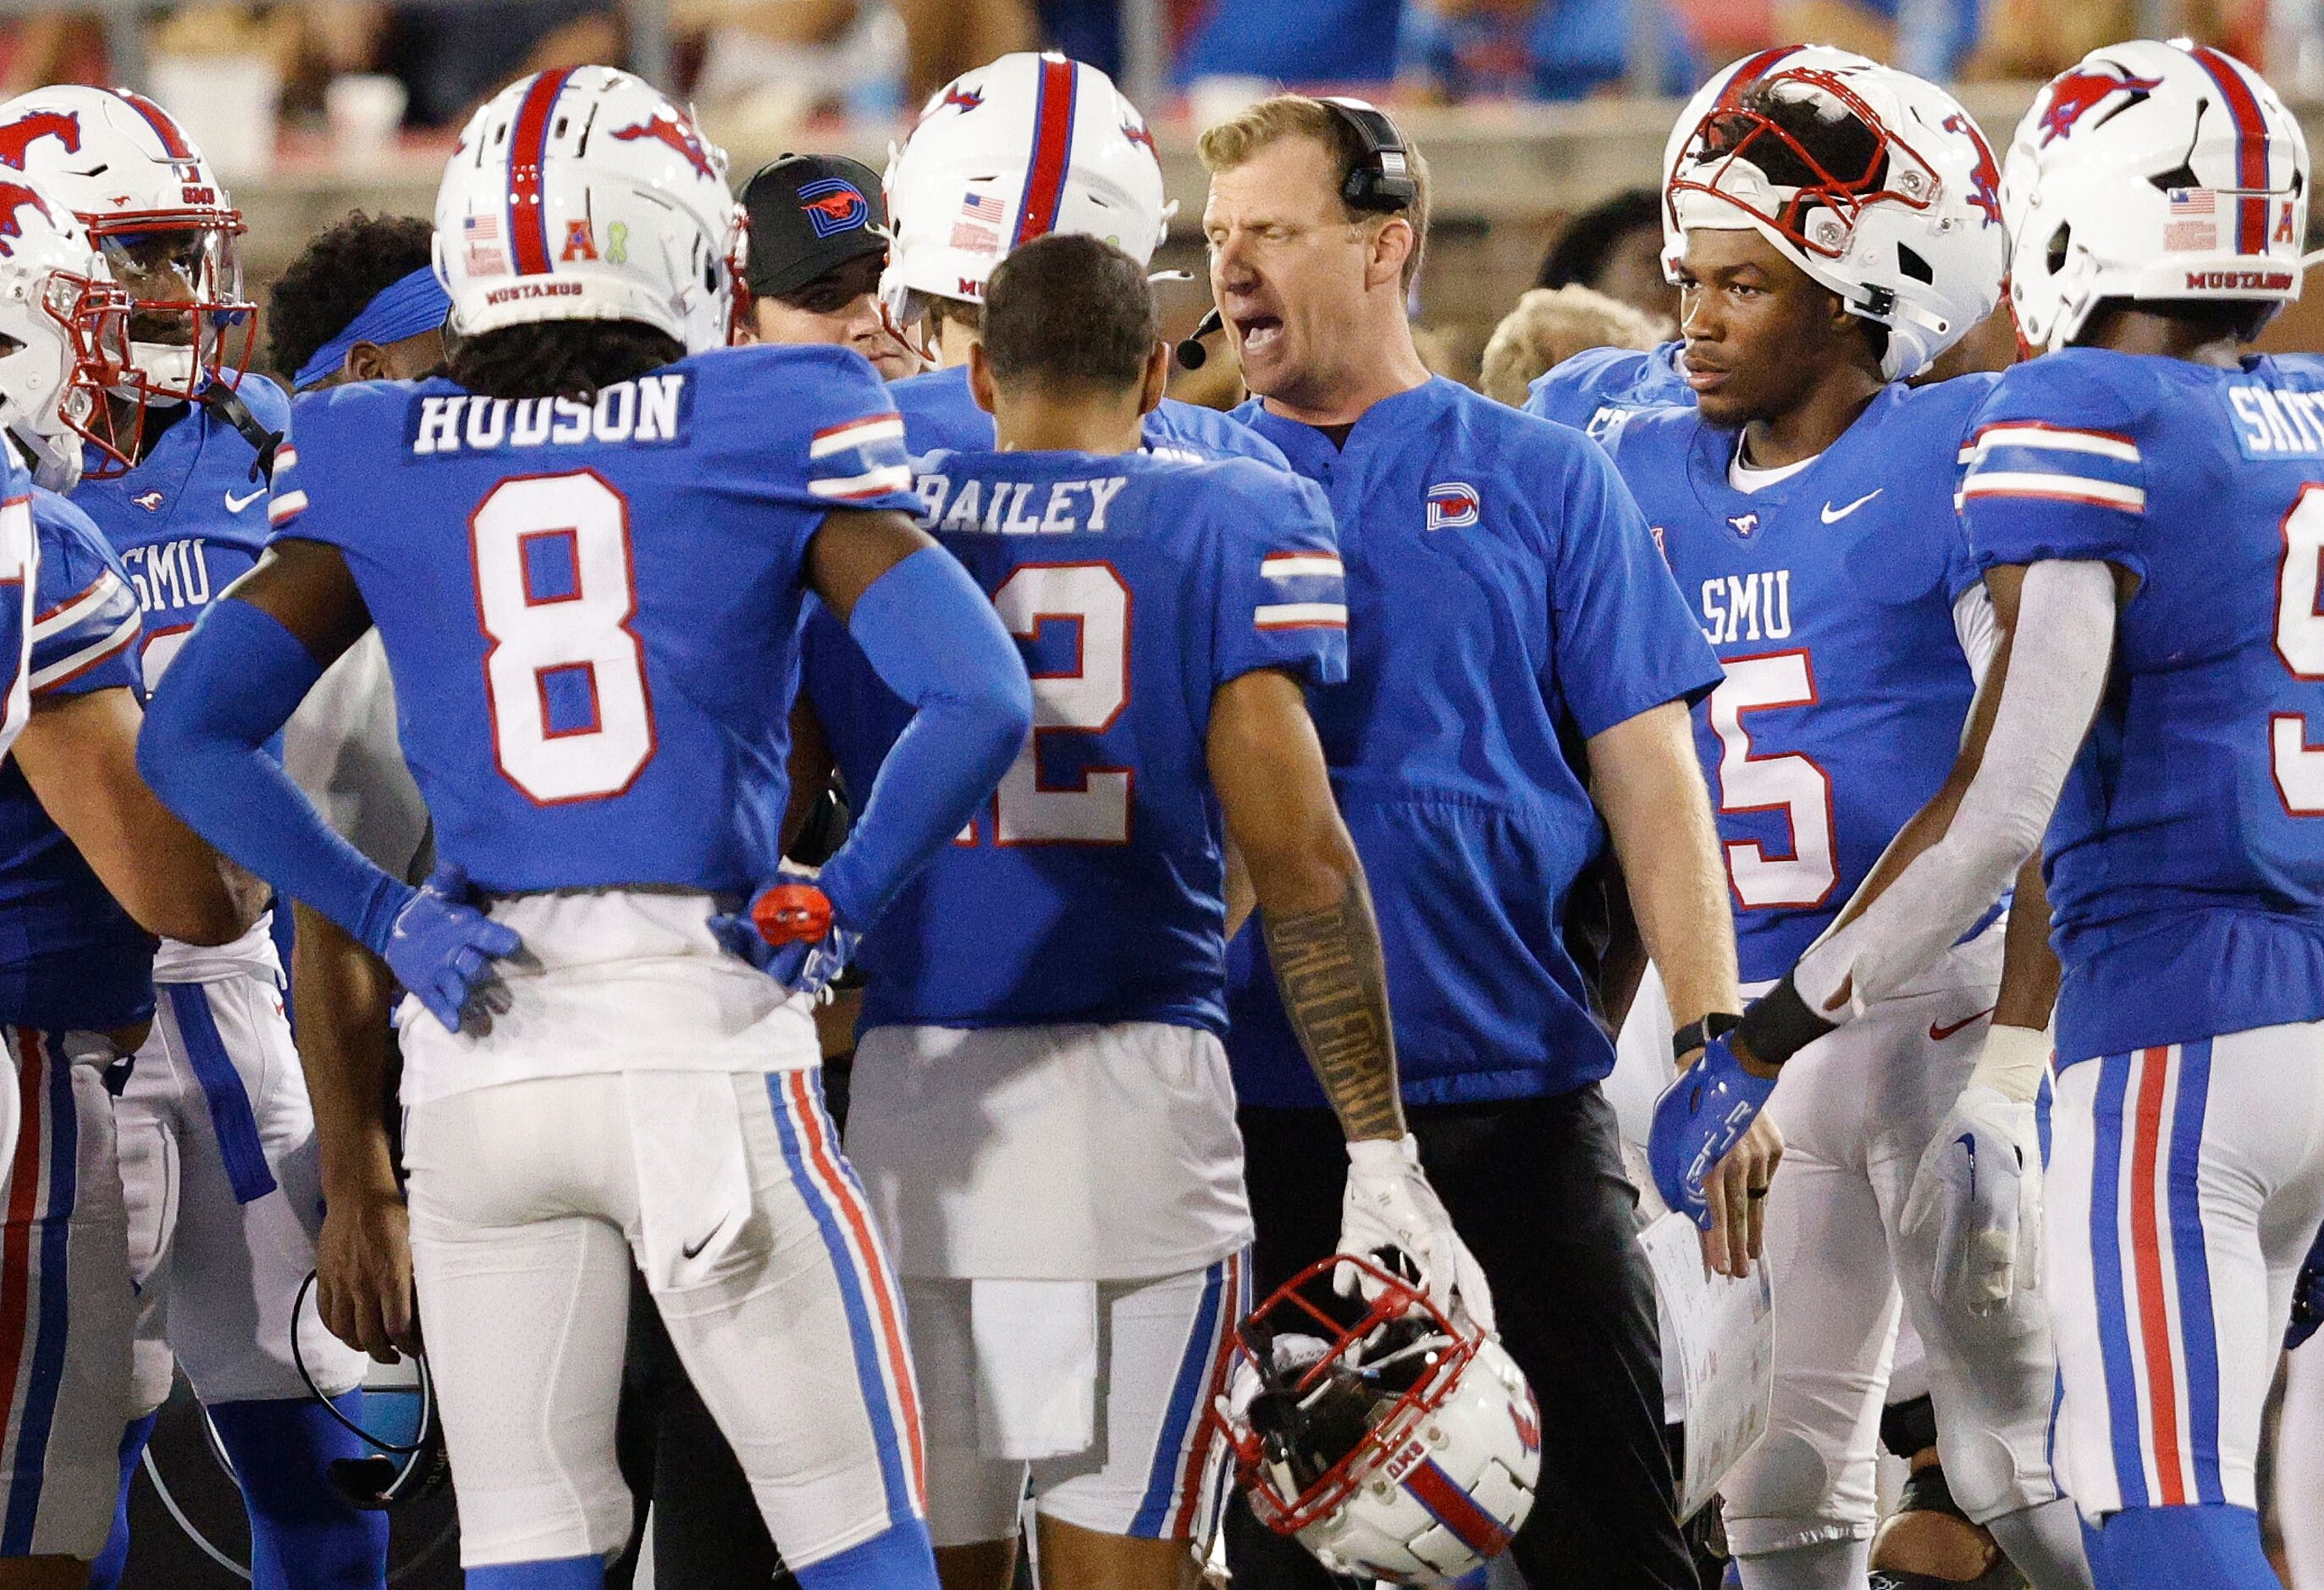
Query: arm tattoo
{"points": [[1334, 987]]}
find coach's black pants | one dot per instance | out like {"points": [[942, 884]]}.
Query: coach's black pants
{"points": [[1537, 1190]]}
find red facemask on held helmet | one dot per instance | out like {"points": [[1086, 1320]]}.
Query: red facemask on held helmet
{"points": [[1395, 1440]]}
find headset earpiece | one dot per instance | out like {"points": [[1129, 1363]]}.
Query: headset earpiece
{"points": [[1381, 178]]}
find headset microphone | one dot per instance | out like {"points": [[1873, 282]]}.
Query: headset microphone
{"points": [[1190, 352]]}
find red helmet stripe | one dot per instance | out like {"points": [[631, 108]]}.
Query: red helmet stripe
{"points": [[528, 149], [173, 142], [1751, 71], [2251, 147], [1456, 1509], [1053, 143]]}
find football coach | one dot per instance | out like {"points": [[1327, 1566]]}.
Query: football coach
{"points": [[1520, 667]]}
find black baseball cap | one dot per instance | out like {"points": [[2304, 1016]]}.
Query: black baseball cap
{"points": [[810, 214]]}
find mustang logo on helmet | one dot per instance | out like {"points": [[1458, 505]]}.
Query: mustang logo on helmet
{"points": [[967, 98], [2077, 93], [13, 196], [1985, 181], [1135, 131], [17, 138], [678, 133]]}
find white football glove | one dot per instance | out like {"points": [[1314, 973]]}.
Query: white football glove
{"points": [[1977, 1202], [1389, 1204]]}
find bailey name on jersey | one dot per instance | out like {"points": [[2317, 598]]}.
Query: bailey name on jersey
{"points": [[1008, 511], [651, 409]]}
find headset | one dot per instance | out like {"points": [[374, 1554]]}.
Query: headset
{"points": [[393, 1472], [1380, 182]]}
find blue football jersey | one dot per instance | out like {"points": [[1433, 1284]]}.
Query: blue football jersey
{"points": [[2186, 859], [940, 412], [1829, 597], [1592, 388], [190, 518], [70, 956], [1504, 603], [589, 609], [1091, 887]]}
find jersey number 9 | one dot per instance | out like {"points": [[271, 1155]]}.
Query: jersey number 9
{"points": [[2300, 642], [565, 675]]}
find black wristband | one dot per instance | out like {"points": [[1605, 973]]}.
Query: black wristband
{"points": [[1779, 1024], [1695, 1034]]}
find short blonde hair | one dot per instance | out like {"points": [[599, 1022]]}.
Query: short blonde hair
{"points": [[1549, 326], [1241, 136]]}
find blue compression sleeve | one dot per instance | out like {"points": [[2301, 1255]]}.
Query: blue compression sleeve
{"points": [[231, 688], [303, 1534], [933, 638]]}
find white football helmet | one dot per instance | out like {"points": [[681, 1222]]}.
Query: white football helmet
{"points": [[585, 194], [67, 325], [1725, 89], [1024, 145], [1401, 1443], [1912, 239], [2154, 172], [165, 226]]}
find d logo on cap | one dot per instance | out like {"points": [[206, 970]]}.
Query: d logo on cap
{"points": [[832, 205]]}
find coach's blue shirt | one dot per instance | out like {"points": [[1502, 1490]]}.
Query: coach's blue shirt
{"points": [[1505, 602]]}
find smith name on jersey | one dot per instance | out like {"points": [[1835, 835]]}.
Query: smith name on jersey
{"points": [[589, 609], [2186, 859], [1830, 595], [1137, 584], [71, 957]]}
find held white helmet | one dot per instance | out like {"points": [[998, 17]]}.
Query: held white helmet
{"points": [[1397, 1442], [158, 213], [2152, 171], [66, 326], [1909, 234], [585, 194], [1725, 91], [1026, 145]]}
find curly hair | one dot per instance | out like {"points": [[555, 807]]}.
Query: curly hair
{"points": [[341, 271], [560, 358], [1549, 326]]}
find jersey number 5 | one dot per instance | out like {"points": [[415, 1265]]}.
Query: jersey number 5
{"points": [[1084, 700], [564, 674], [1789, 784], [2300, 642]]}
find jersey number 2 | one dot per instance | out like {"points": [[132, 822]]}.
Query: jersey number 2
{"points": [[564, 674], [2300, 642], [1789, 784], [1084, 700]]}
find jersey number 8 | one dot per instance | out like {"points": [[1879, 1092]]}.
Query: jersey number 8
{"points": [[564, 674]]}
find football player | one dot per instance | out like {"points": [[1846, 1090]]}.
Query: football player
{"points": [[1046, 1127], [1841, 229], [2143, 500], [216, 1136], [587, 597], [92, 866], [1027, 145]]}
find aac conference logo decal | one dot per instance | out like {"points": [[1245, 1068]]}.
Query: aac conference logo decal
{"points": [[1452, 504]]}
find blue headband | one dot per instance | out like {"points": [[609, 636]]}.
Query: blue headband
{"points": [[402, 308]]}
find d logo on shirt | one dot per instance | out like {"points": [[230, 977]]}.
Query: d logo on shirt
{"points": [[1452, 504]]}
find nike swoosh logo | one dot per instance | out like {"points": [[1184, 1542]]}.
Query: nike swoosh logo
{"points": [[1938, 1032], [693, 1249], [233, 505], [1832, 515]]}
